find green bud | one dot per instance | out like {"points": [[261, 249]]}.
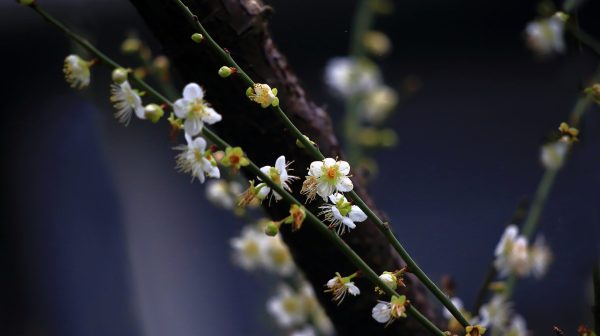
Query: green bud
{"points": [[26, 2], [197, 37], [119, 75], [153, 112], [275, 102], [225, 71], [271, 229], [249, 91]]}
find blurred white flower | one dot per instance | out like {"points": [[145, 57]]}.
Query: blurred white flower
{"points": [[223, 193], [195, 160], [127, 101], [248, 248], [546, 36], [553, 154], [318, 317], [305, 331], [279, 175], [540, 256], [287, 308], [77, 71], [194, 109], [495, 313], [349, 77], [325, 177], [341, 214], [277, 257], [457, 302], [512, 254], [517, 327], [378, 104]]}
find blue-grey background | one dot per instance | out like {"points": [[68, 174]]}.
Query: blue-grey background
{"points": [[100, 236]]}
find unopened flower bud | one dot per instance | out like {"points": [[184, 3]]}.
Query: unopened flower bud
{"points": [[197, 37], [26, 2], [226, 71], [153, 112], [119, 75], [271, 229]]}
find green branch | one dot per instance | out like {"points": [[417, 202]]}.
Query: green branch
{"points": [[253, 168], [314, 151]]}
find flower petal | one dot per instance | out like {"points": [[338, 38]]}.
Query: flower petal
{"points": [[328, 162], [211, 116], [193, 126], [344, 184], [348, 222], [356, 214], [193, 91], [316, 168], [180, 108], [324, 190], [344, 167]]}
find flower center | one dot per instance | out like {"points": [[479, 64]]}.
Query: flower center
{"points": [[251, 248], [290, 305], [274, 175], [331, 173], [197, 155], [197, 108], [234, 159]]}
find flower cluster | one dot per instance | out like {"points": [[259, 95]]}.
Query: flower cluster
{"points": [[513, 255], [253, 250], [296, 309]]}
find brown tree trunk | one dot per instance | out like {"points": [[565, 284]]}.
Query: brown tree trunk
{"points": [[241, 27]]}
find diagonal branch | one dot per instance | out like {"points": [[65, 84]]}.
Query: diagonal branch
{"points": [[241, 27]]}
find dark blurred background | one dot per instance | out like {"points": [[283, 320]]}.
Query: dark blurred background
{"points": [[100, 236]]}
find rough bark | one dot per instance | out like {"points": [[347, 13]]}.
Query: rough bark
{"points": [[241, 27]]}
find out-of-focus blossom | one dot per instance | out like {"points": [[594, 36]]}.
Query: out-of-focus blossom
{"points": [[348, 77]]}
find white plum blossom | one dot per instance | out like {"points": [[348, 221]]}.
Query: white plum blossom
{"points": [[77, 71], [388, 312], [288, 308], [512, 254], [195, 160], [222, 193], [249, 247], [263, 94], [349, 77], [457, 302], [318, 317], [540, 257], [194, 109], [517, 327], [552, 155], [341, 214], [495, 313], [127, 101], [546, 36], [326, 177], [338, 286], [279, 175]]}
